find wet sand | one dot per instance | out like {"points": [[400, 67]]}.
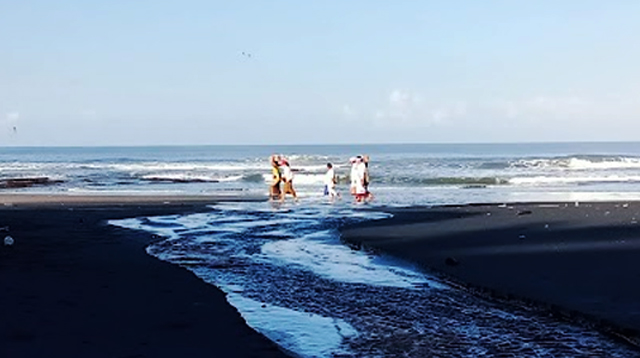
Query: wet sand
{"points": [[579, 261], [73, 286], [59, 200]]}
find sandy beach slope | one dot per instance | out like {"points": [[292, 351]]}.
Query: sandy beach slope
{"points": [[73, 286], [579, 260]]}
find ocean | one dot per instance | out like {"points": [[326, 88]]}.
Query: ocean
{"points": [[285, 269], [409, 174]]}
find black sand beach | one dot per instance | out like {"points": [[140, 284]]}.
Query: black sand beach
{"points": [[576, 260], [73, 286]]}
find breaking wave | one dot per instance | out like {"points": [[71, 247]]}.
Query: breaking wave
{"points": [[580, 163], [443, 181], [188, 178], [549, 180], [316, 180], [253, 172]]}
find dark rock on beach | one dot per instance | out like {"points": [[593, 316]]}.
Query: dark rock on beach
{"points": [[27, 182]]}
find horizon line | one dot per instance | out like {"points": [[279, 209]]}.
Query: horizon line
{"points": [[320, 144]]}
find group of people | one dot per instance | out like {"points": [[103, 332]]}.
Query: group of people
{"points": [[282, 179], [282, 174]]}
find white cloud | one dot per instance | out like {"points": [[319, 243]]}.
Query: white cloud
{"points": [[411, 109], [564, 108], [404, 111], [404, 106], [404, 100], [349, 113]]}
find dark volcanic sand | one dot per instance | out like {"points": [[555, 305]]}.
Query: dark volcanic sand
{"points": [[582, 261], [72, 286]]}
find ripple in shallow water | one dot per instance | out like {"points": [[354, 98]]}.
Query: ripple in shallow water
{"points": [[287, 273]]}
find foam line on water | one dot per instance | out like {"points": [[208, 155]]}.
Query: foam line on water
{"points": [[575, 163], [337, 262], [303, 333], [137, 224]]}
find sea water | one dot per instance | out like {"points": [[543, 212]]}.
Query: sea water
{"points": [[284, 267], [400, 174]]}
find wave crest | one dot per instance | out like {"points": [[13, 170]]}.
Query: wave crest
{"points": [[444, 181], [580, 163]]}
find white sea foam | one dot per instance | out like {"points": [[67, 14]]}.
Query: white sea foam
{"points": [[138, 167], [188, 177], [337, 262], [308, 179], [303, 333], [156, 166], [576, 163], [179, 166], [115, 191], [319, 252], [301, 179], [548, 179]]}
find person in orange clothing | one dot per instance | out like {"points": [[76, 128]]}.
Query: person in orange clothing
{"points": [[274, 189]]}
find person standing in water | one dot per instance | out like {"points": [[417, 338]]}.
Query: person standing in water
{"points": [[287, 178], [274, 190], [353, 176], [366, 179], [358, 171], [330, 182], [361, 189]]}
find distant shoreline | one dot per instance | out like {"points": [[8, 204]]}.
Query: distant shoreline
{"points": [[40, 200]]}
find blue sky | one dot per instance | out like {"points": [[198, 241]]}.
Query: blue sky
{"points": [[75, 72]]}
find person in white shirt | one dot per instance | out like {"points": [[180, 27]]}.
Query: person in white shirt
{"points": [[330, 182], [287, 178], [358, 177], [361, 172], [354, 175]]}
